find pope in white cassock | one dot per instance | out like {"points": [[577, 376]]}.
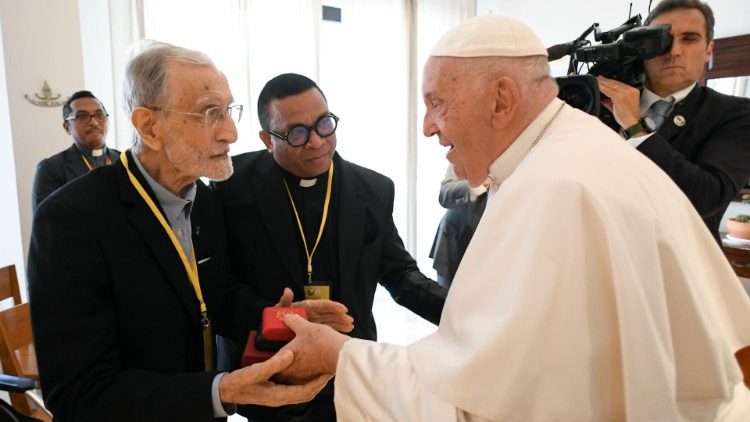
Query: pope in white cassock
{"points": [[591, 291]]}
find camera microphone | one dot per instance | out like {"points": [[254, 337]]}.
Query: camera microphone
{"points": [[560, 50]]}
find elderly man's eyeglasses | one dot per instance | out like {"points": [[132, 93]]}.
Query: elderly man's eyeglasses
{"points": [[211, 116], [99, 115], [299, 135]]}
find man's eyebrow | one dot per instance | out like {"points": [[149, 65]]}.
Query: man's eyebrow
{"points": [[211, 101], [692, 33], [291, 125]]}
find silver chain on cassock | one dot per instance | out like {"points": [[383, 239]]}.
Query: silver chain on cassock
{"points": [[496, 183]]}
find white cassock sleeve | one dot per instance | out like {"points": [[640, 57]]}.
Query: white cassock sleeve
{"points": [[376, 382]]}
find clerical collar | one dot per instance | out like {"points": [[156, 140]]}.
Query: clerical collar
{"points": [[506, 163], [306, 183], [294, 180], [91, 152]]}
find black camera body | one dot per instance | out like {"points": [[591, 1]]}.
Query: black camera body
{"points": [[620, 60], [623, 60]]}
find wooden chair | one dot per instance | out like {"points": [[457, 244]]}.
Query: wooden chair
{"points": [[9, 284], [17, 354]]}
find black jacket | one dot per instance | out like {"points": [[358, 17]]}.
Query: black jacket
{"points": [[709, 156], [262, 251], [59, 169], [116, 322]]}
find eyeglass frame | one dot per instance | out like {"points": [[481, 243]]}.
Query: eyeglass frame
{"points": [[75, 116], [204, 115], [309, 130]]}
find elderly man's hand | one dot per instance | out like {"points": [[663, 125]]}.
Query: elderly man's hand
{"points": [[624, 101], [322, 311], [316, 350], [252, 384]]}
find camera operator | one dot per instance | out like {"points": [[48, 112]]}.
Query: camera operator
{"points": [[695, 134]]}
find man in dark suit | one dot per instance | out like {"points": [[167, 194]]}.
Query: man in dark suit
{"points": [[465, 206], [85, 120], [703, 142], [299, 216], [123, 317]]}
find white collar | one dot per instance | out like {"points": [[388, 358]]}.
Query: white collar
{"points": [[307, 183], [507, 162]]}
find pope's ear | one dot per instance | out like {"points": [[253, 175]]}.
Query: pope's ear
{"points": [[147, 124], [506, 99]]}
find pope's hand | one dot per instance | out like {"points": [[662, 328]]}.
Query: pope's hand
{"points": [[322, 311], [316, 350], [253, 385]]}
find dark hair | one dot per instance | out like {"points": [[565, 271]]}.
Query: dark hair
{"points": [[76, 95], [670, 5], [282, 86]]}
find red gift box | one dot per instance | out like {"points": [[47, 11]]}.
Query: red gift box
{"points": [[274, 334], [252, 355], [273, 328]]}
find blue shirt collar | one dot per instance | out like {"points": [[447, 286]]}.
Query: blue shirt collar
{"points": [[172, 205]]}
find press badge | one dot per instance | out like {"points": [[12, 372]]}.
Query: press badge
{"points": [[317, 290]]}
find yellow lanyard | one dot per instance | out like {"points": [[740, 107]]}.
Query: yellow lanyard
{"points": [[191, 268], [322, 221], [107, 161]]}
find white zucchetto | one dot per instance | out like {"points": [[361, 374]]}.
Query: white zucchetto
{"points": [[488, 36]]}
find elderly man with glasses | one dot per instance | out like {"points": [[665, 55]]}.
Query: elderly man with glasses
{"points": [[84, 119], [124, 319], [303, 221]]}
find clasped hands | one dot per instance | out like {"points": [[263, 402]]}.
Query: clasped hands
{"points": [[317, 342], [301, 368]]}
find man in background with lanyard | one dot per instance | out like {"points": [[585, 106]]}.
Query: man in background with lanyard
{"points": [[123, 319], [84, 119], [301, 218]]}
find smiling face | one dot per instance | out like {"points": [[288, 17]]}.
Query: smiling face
{"points": [[194, 148], [91, 134], [311, 159], [683, 64], [459, 114]]}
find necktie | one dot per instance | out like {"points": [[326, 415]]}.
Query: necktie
{"points": [[659, 110]]}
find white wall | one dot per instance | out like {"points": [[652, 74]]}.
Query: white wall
{"points": [[41, 41], [97, 60], [11, 247]]}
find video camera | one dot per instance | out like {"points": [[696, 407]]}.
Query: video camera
{"points": [[620, 60]]}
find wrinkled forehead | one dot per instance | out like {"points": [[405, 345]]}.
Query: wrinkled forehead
{"points": [[199, 85], [439, 75]]}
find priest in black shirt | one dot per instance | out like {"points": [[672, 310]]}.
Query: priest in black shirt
{"points": [[299, 184]]}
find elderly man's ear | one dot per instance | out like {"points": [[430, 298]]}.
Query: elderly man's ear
{"points": [[149, 127], [506, 99]]}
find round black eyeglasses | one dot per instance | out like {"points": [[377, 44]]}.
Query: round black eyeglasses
{"points": [[299, 135]]}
